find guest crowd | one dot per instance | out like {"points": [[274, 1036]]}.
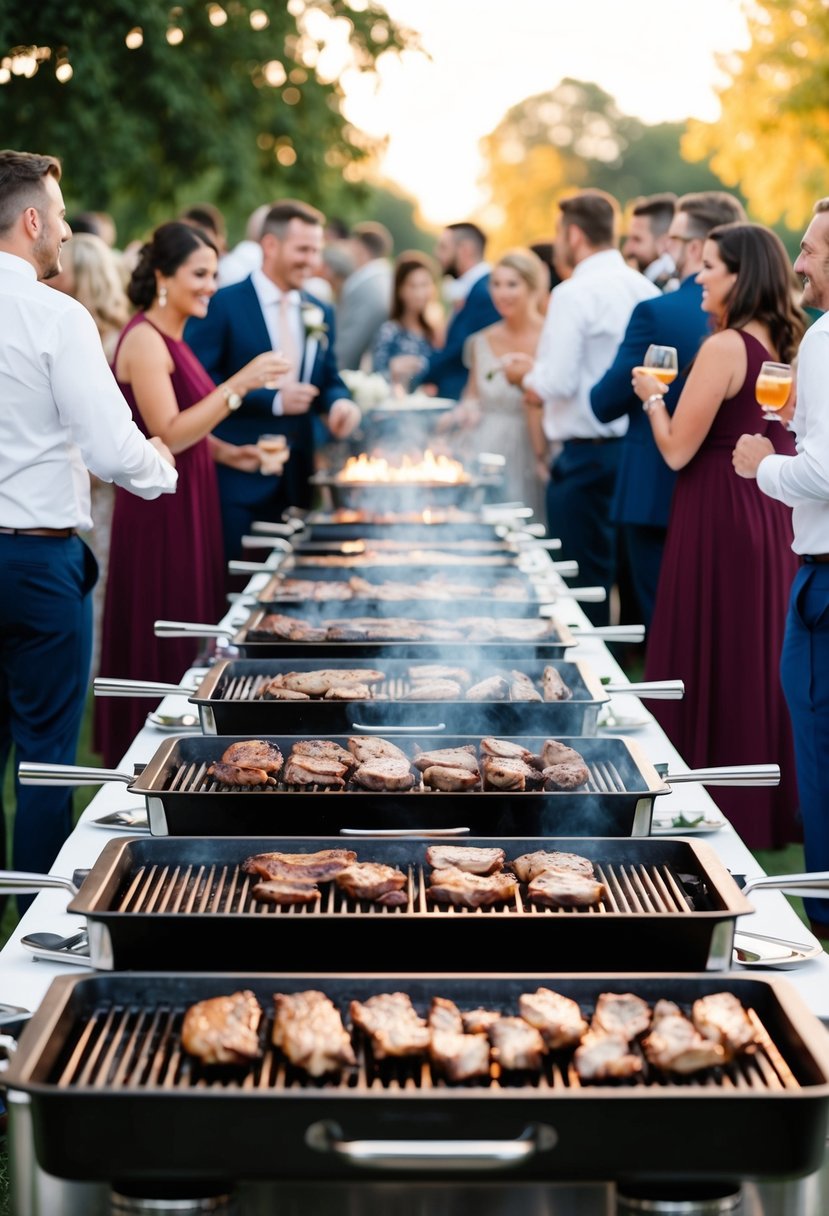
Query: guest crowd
{"points": [[225, 393]]}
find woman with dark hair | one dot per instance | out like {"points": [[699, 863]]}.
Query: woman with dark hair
{"points": [[722, 596], [166, 560], [414, 326]]}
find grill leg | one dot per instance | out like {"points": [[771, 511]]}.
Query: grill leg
{"points": [[670, 1199], [182, 1199]]}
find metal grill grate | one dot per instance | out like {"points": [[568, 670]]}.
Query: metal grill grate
{"points": [[248, 688], [201, 889], [134, 1048]]}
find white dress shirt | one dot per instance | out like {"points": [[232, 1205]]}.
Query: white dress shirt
{"points": [[61, 412], [269, 296], [456, 290], [586, 320], [240, 262], [802, 481]]}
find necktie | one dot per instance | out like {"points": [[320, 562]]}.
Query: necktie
{"points": [[287, 341]]}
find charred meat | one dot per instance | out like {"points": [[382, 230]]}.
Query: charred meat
{"points": [[323, 749], [313, 770], [553, 687], [569, 776], [557, 1017], [392, 1025], [309, 1031], [478, 1021], [493, 688], [522, 688], [223, 1029], [675, 1045], [509, 774], [286, 891], [385, 773], [451, 780], [309, 867], [505, 749], [367, 747], [721, 1018], [530, 865], [565, 889], [460, 1056], [471, 861], [370, 880], [603, 1057], [445, 1015], [454, 886], [516, 1045], [451, 757], [553, 752], [234, 774], [624, 1014]]}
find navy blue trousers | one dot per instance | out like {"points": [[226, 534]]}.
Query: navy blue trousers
{"points": [[45, 653], [804, 671], [579, 494], [645, 545]]}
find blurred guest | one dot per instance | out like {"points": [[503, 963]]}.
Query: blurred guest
{"points": [[414, 327], [106, 228], [210, 219], [721, 603], [87, 223], [172, 397], [365, 298], [336, 264], [546, 251], [646, 245], [245, 257]]}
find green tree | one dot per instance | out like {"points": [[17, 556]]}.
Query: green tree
{"points": [[151, 105]]}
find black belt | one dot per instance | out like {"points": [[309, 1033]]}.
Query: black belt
{"points": [[816, 559], [55, 533], [598, 439]]}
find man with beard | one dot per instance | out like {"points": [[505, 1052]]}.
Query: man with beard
{"points": [[802, 482], [460, 252], [61, 413], [646, 245]]}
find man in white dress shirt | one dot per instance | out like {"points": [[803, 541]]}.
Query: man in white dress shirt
{"points": [[585, 322], [61, 414], [802, 482]]}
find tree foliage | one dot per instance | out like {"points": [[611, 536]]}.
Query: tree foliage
{"points": [[772, 137], [150, 105]]}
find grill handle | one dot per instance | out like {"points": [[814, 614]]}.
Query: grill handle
{"points": [[251, 567], [731, 774], [106, 686], [611, 633], [807, 886], [185, 629], [653, 690], [327, 1137], [391, 726], [267, 542], [583, 595], [31, 773], [264, 527], [537, 540], [403, 833], [20, 882]]}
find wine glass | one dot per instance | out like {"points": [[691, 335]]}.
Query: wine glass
{"points": [[773, 388], [661, 362]]}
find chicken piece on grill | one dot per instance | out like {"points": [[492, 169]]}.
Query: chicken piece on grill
{"points": [[445, 1015], [223, 1029], [603, 1057], [308, 1029], [436, 671], [453, 886], [570, 776], [453, 757], [530, 865], [434, 690], [493, 688], [323, 749], [290, 628], [504, 749], [254, 753], [345, 631], [392, 899], [450, 780], [392, 1025], [623, 1014], [553, 752], [385, 773], [286, 891], [675, 1045], [460, 1056], [317, 683], [314, 770], [348, 692], [553, 686], [370, 880], [516, 1045], [275, 692], [233, 774], [466, 858], [478, 1021], [557, 1017], [565, 889], [308, 867], [723, 1019], [509, 774], [523, 690], [368, 747], [522, 629]]}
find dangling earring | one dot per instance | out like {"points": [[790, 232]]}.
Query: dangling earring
{"points": [[162, 296]]}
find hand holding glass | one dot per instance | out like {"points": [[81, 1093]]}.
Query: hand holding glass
{"points": [[773, 388], [273, 450], [661, 362]]}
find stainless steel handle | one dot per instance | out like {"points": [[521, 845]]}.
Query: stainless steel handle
{"points": [[611, 633], [653, 690], [808, 886], [565, 569], [267, 542], [531, 532], [391, 728], [731, 774], [31, 773], [515, 510], [404, 833], [250, 567], [587, 595], [20, 882], [106, 686], [263, 527], [532, 537], [326, 1137], [186, 629]]}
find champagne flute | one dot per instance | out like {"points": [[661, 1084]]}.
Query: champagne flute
{"points": [[662, 363], [773, 388]]}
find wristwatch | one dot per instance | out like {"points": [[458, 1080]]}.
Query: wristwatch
{"points": [[233, 399]]}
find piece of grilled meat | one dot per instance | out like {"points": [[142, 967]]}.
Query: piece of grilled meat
{"points": [[308, 1029], [621, 1013], [348, 692], [478, 1021], [322, 866], [565, 889], [675, 1045], [463, 857], [558, 1018], [553, 686], [317, 683], [233, 774], [450, 757], [254, 753], [437, 671], [223, 1029], [275, 692], [368, 747], [522, 687], [314, 770], [324, 749], [553, 752], [451, 780], [460, 1056], [385, 773], [434, 690], [454, 886], [516, 1045], [509, 773], [722, 1018], [603, 1057], [445, 1015], [529, 865], [492, 688], [570, 776], [286, 891], [505, 749], [392, 1025], [372, 881]]}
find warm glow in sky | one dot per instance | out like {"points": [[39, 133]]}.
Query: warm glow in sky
{"points": [[655, 57]]}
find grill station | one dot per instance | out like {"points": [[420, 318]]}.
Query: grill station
{"points": [[408, 483]]}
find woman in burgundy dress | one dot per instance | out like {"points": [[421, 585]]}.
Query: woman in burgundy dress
{"points": [[166, 560], [728, 566]]}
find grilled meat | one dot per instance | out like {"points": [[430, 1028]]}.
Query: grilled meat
{"points": [[452, 757], [233, 774], [254, 753], [565, 889], [493, 688], [723, 1019], [478, 1021], [402, 629], [392, 899], [367, 747], [451, 780], [290, 628], [516, 1045], [317, 683], [323, 749], [504, 749], [436, 671], [675, 1044], [308, 1029], [223, 1029], [314, 770], [392, 1025], [460, 1056], [349, 692], [433, 690], [530, 865], [602, 1057], [385, 773], [308, 867], [624, 1014], [557, 1017], [454, 886], [445, 1015], [570, 776], [553, 686], [523, 690], [312, 589], [369, 880], [553, 752], [509, 774], [275, 692], [286, 891], [470, 860]]}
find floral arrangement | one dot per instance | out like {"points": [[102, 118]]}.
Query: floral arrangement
{"points": [[313, 320], [369, 389]]}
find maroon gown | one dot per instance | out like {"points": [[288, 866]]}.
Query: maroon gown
{"points": [[720, 615], [165, 563]]}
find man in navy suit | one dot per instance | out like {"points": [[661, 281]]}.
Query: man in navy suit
{"points": [[269, 310], [460, 252], [644, 483]]}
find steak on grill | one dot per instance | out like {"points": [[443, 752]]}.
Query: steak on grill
{"points": [[451, 757], [323, 749], [478, 1021], [223, 1029], [254, 753], [522, 688], [275, 692], [370, 880], [506, 750], [309, 1030], [367, 747], [565, 889], [553, 752], [454, 886], [530, 865], [553, 685], [451, 780], [310, 867], [721, 1017], [569, 776], [509, 774], [462, 857], [433, 690], [603, 1056], [286, 891], [445, 1015], [460, 1056], [558, 1018], [314, 770], [233, 774], [623, 1014], [516, 1045], [392, 1025], [675, 1045], [348, 692], [385, 773], [492, 688]]}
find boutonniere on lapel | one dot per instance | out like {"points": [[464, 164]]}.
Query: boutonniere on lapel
{"points": [[313, 320]]}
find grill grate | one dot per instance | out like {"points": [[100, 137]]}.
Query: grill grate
{"points": [[202, 889], [136, 1048], [395, 688]]}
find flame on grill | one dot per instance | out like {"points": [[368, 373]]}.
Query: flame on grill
{"points": [[428, 468]]}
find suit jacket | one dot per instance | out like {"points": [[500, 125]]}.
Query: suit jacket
{"points": [[645, 484], [364, 305], [233, 333], [446, 367]]}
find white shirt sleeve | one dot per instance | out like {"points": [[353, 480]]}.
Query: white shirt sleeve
{"points": [[91, 406], [805, 477], [277, 408], [557, 368]]}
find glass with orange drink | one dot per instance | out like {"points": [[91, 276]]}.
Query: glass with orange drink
{"points": [[773, 388], [661, 362]]}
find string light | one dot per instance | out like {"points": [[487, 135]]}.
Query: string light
{"points": [[175, 35], [259, 19], [274, 73], [216, 15], [135, 38], [64, 71]]}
